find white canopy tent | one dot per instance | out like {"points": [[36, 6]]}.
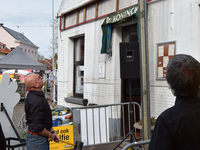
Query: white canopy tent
{"points": [[21, 72]]}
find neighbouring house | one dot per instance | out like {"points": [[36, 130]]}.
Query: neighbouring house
{"points": [[48, 62], [3, 50], [12, 39]]}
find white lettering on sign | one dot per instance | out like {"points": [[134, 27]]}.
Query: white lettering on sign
{"points": [[108, 19], [121, 15]]}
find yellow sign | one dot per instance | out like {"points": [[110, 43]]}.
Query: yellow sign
{"points": [[65, 134]]}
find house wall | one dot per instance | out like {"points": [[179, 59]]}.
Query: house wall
{"points": [[7, 39], [2, 55], [170, 21], [100, 91], [30, 51], [12, 43], [167, 21]]}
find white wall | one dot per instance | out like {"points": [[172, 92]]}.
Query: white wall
{"points": [[2, 55], [100, 91], [10, 42], [171, 20], [7, 39], [68, 5]]}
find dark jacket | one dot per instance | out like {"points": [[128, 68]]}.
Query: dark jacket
{"points": [[38, 112], [178, 128], [2, 139]]}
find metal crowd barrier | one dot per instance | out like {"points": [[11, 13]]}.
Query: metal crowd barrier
{"points": [[140, 143], [101, 124], [9, 141]]}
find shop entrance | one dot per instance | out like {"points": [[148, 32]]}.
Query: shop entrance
{"points": [[129, 34]]}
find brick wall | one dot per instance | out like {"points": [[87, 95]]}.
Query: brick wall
{"points": [[161, 98]]}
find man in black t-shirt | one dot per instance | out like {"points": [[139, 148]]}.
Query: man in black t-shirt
{"points": [[38, 116]]}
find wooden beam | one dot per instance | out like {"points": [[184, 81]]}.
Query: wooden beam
{"points": [[97, 6], [77, 17], [117, 5], [84, 14]]}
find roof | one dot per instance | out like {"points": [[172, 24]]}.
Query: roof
{"points": [[18, 59], [48, 62], [19, 37], [4, 51]]}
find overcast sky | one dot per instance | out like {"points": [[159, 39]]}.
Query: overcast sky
{"points": [[33, 18]]}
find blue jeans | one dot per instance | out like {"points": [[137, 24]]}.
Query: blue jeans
{"points": [[36, 142]]}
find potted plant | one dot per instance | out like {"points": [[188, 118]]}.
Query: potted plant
{"points": [[138, 125], [17, 77]]}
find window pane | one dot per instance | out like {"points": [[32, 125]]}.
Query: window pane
{"points": [[79, 49], [79, 79]]}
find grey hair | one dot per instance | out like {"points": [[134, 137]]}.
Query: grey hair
{"points": [[183, 75]]}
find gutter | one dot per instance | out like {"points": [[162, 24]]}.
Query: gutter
{"points": [[17, 41]]}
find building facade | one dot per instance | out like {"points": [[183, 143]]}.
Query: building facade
{"points": [[92, 34], [3, 50], [12, 39]]}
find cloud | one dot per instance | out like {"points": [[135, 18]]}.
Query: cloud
{"points": [[33, 18]]}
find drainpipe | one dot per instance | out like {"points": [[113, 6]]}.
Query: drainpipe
{"points": [[144, 70]]}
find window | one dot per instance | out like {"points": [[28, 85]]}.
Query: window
{"points": [[12, 48], [78, 67], [3, 46], [35, 56]]}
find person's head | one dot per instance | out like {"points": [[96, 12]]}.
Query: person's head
{"points": [[183, 75], [34, 82], [55, 113]]}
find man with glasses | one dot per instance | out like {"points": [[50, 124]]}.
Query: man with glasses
{"points": [[38, 116]]}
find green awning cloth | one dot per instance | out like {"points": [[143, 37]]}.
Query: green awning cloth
{"points": [[118, 18]]}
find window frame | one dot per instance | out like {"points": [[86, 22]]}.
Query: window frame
{"points": [[77, 63]]}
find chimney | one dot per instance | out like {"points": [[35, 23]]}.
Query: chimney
{"points": [[1, 24]]}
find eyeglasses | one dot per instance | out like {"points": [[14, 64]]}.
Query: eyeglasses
{"points": [[39, 77]]}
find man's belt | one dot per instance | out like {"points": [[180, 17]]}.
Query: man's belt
{"points": [[32, 133]]}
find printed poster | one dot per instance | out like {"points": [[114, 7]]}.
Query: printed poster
{"points": [[63, 126]]}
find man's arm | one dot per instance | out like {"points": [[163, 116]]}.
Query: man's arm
{"points": [[48, 134]]}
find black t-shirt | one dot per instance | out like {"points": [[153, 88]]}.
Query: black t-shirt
{"points": [[38, 112]]}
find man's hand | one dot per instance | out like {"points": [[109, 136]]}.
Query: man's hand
{"points": [[50, 137], [56, 138]]}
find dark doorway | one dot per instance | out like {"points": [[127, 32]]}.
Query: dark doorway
{"points": [[129, 34]]}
